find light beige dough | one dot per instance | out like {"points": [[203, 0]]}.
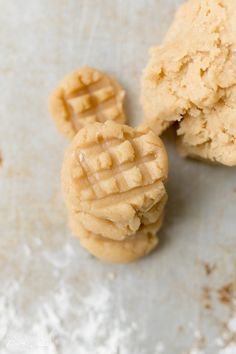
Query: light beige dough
{"points": [[86, 96], [115, 173], [191, 79], [108, 229], [129, 250]]}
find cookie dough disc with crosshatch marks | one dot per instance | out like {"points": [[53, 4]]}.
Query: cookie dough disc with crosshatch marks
{"points": [[86, 96], [137, 246], [115, 172]]}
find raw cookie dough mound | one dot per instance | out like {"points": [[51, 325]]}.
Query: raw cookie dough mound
{"points": [[191, 79], [115, 173], [135, 247], [86, 96]]}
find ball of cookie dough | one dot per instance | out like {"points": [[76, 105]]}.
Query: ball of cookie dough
{"points": [[129, 250], [115, 173], [86, 96], [191, 79]]}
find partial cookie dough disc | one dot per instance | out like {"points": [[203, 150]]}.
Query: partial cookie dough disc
{"points": [[86, 96], [120, 232], [191, 79], [137, 246]]}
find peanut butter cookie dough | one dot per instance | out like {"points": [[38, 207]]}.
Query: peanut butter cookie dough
{"points": [[108, 250], [109, 229], [191, 79], [86, 96], [113, 181]]}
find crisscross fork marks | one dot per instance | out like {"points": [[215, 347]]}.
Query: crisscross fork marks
{"points": [[96, 99], [116, 171]]}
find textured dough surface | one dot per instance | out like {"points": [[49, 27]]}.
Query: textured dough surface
{"points": [[118, 232], [86, 96], [135, 247], [114, 172], [191, 79]]}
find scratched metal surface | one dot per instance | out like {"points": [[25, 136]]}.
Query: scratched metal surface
{"points": [[169, 295]]}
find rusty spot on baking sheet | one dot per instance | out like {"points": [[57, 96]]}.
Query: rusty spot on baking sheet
{"points": [[206, 298], [225, 294], [234, 190], [209, 268], [201, 341], [180, 328]]}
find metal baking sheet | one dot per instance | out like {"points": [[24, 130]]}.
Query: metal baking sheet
{"points": [[54, 297]]}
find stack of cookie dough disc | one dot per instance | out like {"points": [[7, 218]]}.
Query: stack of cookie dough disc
{"points": [[113, 182], [86, 96]]}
